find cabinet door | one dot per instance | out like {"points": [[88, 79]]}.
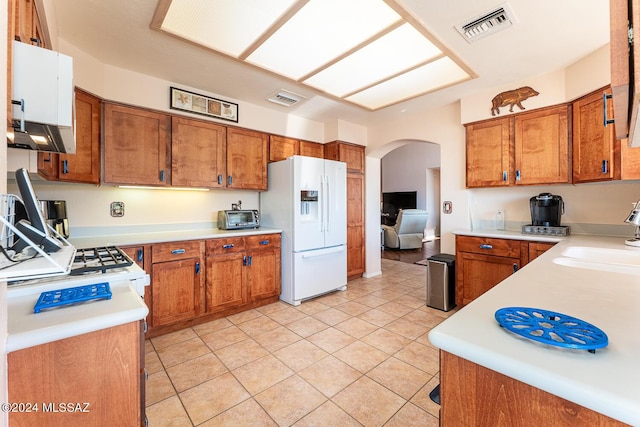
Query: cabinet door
{"points": [[355, 225], [538, 248], [100, 368], [488, 153], [311, 149], [225, 285], [593, 143], [247, 159], [476, 274], [263, 266], [280, 148], [197, 153], [136, 146], [84, 165], [542, 147], [351, 154], [176, 290]]}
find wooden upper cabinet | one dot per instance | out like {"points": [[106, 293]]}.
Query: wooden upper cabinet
{"points": [[198, 151], [351, 154], [136, 146], [280, 147], [488, 153], [542, 146], [312, 149], [84, 165], [594, 155], [247, 154]]}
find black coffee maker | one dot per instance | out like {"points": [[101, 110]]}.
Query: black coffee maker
{"points": [[546, 210]]}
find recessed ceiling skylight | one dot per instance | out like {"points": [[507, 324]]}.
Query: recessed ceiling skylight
{"points": [[367, 52]]}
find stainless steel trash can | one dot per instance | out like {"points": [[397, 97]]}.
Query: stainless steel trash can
{"points": [[441, 281]]}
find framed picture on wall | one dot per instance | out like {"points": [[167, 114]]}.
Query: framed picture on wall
{"points": [[191, 102]]}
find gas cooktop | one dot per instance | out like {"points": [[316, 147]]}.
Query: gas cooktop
{"points": [[99, 259]]}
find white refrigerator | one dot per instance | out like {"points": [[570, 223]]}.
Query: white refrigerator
{"points": [[307, 199]]}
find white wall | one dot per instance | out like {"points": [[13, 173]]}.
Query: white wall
{"points": [[403, 169]]}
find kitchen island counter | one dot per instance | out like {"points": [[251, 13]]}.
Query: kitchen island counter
{"points": [[596, 291]]}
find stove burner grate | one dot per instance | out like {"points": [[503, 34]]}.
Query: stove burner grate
{"points": [[99, 259]]}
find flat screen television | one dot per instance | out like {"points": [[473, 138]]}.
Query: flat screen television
{"points": [[35, 229], [394, 201]]}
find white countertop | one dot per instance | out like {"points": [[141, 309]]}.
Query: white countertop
{"points": [[607, 381], [509, 234], [28, 329], [164, 236]]}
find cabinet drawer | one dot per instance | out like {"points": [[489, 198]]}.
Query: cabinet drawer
{"points": [[176, 250], [225, 245], [265, 241], [488, 246]]}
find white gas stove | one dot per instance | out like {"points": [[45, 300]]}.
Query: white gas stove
{"points": [[107, 264]]}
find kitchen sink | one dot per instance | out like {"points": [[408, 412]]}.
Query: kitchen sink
{"points": [[628, 257], [602, 259]]}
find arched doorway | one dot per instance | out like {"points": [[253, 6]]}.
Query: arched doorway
{"points": [[403, 165]]}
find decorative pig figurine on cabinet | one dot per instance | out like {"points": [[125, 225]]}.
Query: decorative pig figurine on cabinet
{"points": [[511, 98]]}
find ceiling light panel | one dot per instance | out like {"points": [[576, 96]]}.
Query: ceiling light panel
{"points": [[428, 78], [228, 26], [322, 31], [391, 54]]}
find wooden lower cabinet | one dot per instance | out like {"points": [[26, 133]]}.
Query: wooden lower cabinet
{"points": [[264, 266], [238, 274], [176, 282], [472, 395], [87, 380], [225, 286], [482, 263]]}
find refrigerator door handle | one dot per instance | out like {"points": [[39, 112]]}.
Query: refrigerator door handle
{"points": [[328, 204], [322, 203], [322, 252]]}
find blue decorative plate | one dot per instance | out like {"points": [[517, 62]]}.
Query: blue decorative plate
{"points": [[551, 328], [60, 297]]}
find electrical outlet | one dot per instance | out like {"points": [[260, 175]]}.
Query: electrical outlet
{"points": [[117, 209]]}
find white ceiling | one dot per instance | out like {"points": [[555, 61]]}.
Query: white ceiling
{"points": [[549, 35]]}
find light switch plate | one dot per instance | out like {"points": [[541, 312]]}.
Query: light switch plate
{"points": [[117, 209]]}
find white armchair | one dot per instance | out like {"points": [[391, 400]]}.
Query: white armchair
{"points": [[408, 231]]}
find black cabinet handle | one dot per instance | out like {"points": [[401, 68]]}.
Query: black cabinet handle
{"points": [[140, 254], [197, 268], [515, 267], [227, 246], [485, 246], [607, 121], [177, 251], [264, 242]]}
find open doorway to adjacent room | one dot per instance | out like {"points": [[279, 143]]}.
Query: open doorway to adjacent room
{"points": [[413, 168]]}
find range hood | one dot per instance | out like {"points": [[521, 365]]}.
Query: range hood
{"points": [[43, 100]]}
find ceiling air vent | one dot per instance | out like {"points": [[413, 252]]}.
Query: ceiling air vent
{"points": [[285, 98], [487, 23]]}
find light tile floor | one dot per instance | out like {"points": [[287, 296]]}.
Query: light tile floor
{"points": [[351, 358]]}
